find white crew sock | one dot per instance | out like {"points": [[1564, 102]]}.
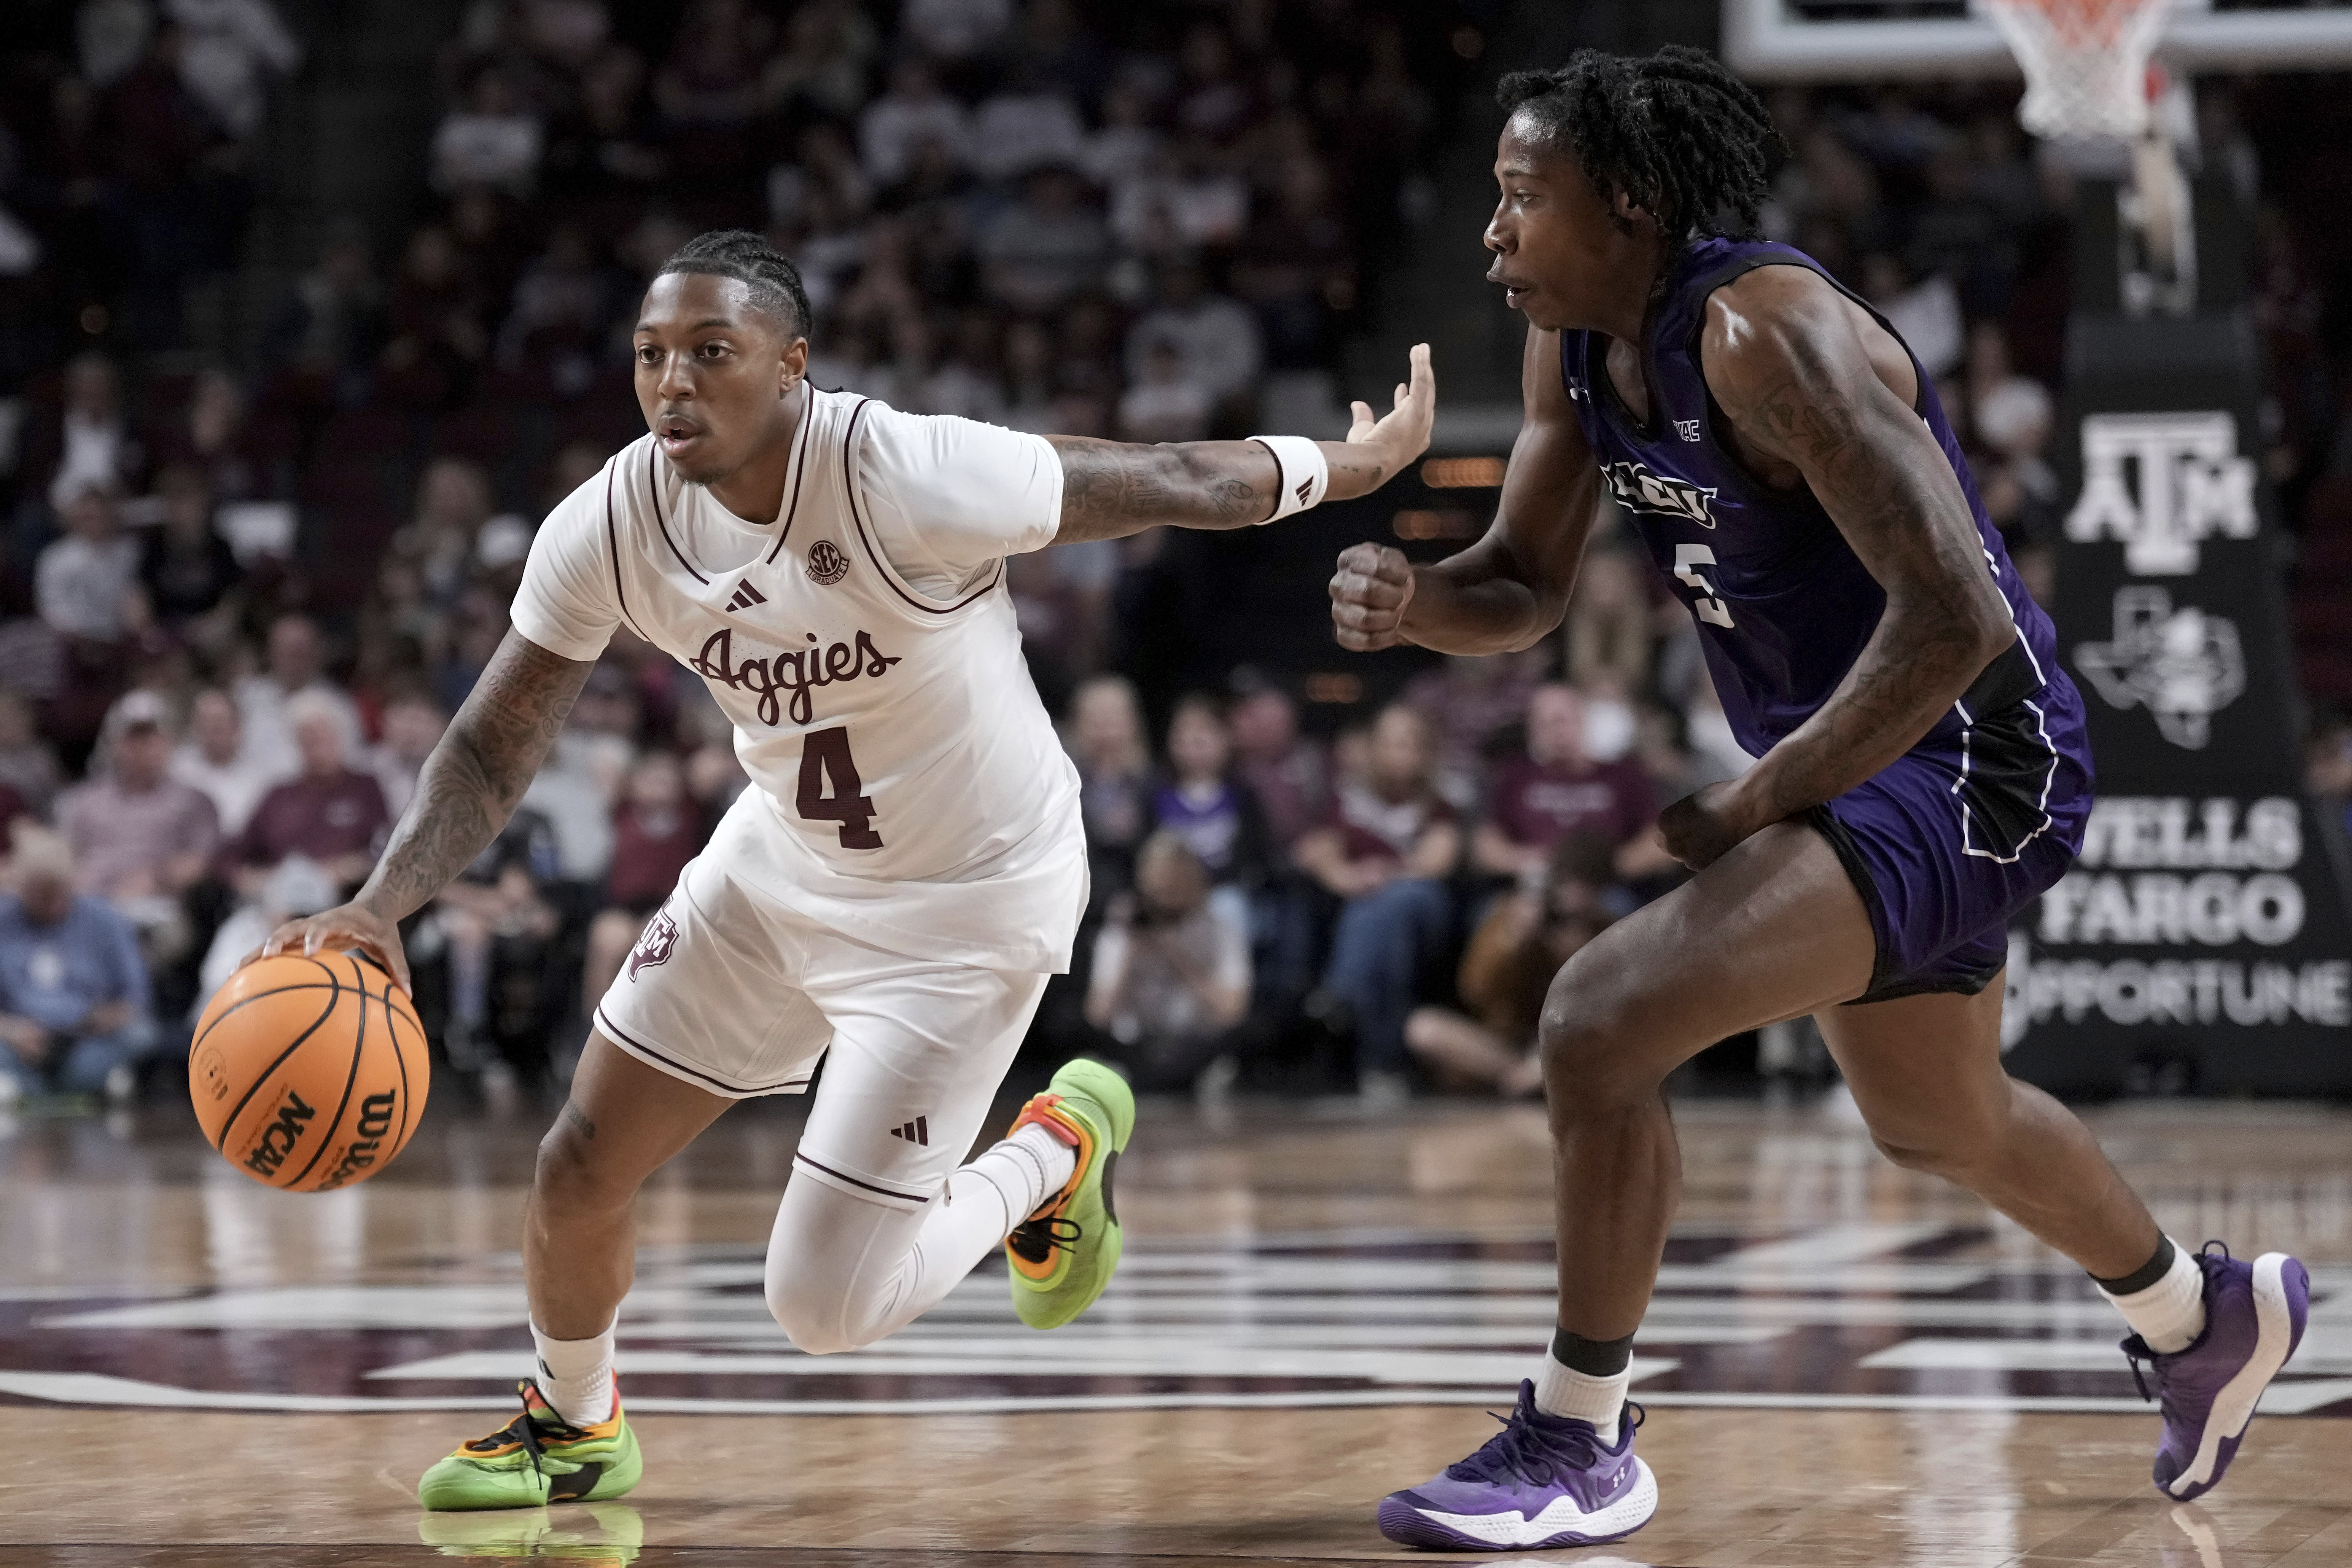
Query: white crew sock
{"points": [[1564, 1391], [576, 1375], [1023, 1170], [2170, 1313]]}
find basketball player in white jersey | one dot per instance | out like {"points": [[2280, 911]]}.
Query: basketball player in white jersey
{"points": [[891, 892]]}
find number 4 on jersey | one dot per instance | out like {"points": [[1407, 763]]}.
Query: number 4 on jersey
{"points": [[825, 754]]}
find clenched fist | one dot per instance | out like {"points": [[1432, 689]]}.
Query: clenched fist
{"points": [[1369, 595]]}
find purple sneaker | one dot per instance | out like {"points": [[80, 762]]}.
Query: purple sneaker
{"points": [[2254, 1314], [1542, 1481]]}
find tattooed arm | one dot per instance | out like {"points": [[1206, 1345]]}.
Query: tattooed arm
{"points": [[1786, 356], [469, 788], [1111, 488]]}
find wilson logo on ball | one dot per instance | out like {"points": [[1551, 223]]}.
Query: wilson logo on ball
{"points": [[375, 1120]]}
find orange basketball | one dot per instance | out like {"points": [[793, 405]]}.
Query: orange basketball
{"points": [[308, 1074]]}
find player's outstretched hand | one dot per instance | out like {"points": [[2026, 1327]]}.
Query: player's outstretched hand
{"points": [[1369, 595], [337, 929], [1387, 445]]}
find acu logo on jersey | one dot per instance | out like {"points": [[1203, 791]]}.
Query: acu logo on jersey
{"points": [[1636, 489]]}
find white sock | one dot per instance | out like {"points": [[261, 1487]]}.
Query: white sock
{"points": [[1024, 1170], [1564, 1391], [2170, 1313], [576, 1375]]}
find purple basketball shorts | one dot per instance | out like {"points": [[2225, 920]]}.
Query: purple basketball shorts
{"points": [[1957, 834]]}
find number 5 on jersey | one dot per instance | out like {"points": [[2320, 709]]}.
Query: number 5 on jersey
{"points": [[825, 756], [1688, 559]]}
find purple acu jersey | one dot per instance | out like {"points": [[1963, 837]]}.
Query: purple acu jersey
{"points": [[1988, 809]]}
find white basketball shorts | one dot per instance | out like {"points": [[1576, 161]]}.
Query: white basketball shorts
{"points": [[738, 995]]}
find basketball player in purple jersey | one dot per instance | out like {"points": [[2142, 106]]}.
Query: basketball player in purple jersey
{"points": [[1921, 767]]}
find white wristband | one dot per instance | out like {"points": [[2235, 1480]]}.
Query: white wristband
{"points": [[1306, 472]]}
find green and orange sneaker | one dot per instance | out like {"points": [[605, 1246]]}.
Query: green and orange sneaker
{"points": [[537, 1458], [1063, 1255]]}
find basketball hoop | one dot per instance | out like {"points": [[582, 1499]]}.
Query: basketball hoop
{"points": [[2086, 63], [2088, 78]]}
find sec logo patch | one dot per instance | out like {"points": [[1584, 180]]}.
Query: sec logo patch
{"points": [[826, 563]]}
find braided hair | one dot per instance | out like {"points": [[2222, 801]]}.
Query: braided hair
{"points": [[737, 253], [1685, 139]]}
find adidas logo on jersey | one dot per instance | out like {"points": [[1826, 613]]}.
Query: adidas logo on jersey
{"points": [[746, 596], [919, 1130]]}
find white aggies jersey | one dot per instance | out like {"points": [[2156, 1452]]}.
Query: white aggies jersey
{"points": [[909, 791]]}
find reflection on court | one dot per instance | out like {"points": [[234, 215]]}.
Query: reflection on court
{"points": [[1844, 1363]]}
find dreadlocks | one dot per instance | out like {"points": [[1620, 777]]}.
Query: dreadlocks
{"points": [[1684, 139], [774, 281]]}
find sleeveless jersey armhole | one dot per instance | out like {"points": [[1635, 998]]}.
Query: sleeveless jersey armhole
{"points": [[1706, 289]]}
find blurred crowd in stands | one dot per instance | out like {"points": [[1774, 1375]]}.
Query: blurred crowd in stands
{"points": [[244, 589]]}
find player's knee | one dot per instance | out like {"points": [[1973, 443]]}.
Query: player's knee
{"points": [[815, 1319], [812, 1330], [1957, 1141], [568, 1177], [1910, 1155], [1588, 1038], [1935, 1150]]}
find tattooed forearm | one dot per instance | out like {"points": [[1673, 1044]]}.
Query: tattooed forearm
{"points": [[1111, 488], [1881, 476], [475, 777]]}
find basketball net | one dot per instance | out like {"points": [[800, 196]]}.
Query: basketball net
{"points": [[2087, 77], [2086, 63]]}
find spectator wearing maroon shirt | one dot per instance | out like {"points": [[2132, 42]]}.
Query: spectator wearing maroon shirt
{"points": [[1391, 842], [1557, 791], [657, 829], [327, 812]]}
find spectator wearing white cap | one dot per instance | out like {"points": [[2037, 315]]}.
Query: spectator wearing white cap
{"points": [[140, 838]]}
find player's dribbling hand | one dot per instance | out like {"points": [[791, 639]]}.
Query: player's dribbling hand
{"points": [[336, 930], [1703, 827], [1369, 595]]}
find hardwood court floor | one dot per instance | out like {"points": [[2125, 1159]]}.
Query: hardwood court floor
{"points": [[1846, 1364]]}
